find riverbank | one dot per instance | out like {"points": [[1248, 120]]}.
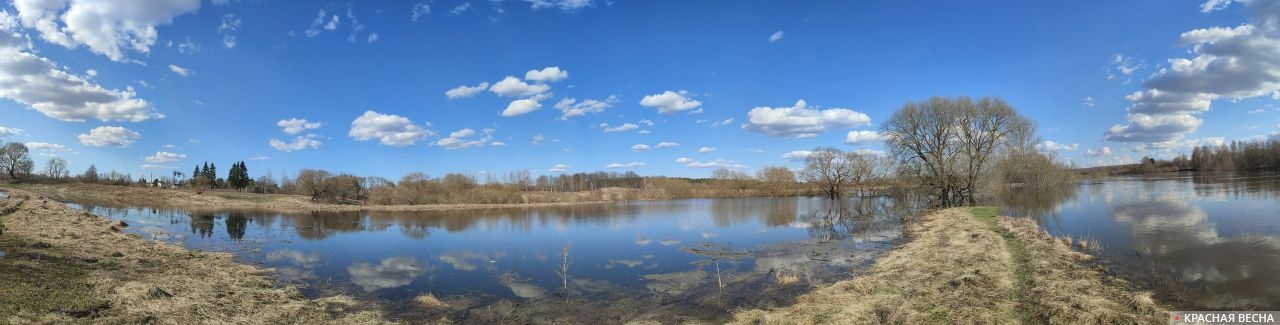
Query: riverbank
{"points": [[111, 195], [968, 265], [61, 265]]}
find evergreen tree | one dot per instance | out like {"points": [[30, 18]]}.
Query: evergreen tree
{"points": [[213, 171], [195, 172], [204, 171]]}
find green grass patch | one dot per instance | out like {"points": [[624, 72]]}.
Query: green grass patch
{"points": [[1023, 274], [35, 281], [987, 214]]}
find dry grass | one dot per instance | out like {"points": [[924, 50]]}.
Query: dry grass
{"points": [[91, 273], [970, 267]]}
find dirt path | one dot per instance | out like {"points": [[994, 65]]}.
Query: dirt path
{"points": [[62, 265], [968, 266]]}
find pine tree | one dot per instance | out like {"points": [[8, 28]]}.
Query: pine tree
{"points": [[195, 172]]}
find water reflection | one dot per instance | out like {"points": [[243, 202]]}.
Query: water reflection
{"points": [[1216, 236], [710, 256]]}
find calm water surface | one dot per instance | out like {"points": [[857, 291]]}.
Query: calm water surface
{"points": [[666, 260], [1212, 239]]}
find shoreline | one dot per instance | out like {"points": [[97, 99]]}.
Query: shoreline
{"points": [[61, 265]]}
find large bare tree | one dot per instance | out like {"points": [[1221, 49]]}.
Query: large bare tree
{"points": [[15, 160], [949, 142], [56, 168], [835, 171]]}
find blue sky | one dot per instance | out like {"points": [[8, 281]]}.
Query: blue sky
{"points": [[160, 84]]}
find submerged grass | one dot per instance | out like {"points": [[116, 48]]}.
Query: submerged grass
{"points": [[969, 265]]}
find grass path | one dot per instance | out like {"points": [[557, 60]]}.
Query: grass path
{"points": [[970, 266]]}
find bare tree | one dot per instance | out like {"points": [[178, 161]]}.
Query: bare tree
{"points": [[948, 142], [56, 168], [15, 160], [829, 169]]}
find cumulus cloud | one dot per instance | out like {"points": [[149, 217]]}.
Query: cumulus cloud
{"points": [[621, 128], [665, 144], [389, 129], [6, 132], [105, 27], [1104, 151], [109, 136], [465, 91], [718, 163], [301, 142], [297, 125], [641, 148], [706, 149], [514, 87], [465, 138], [524, 106], [46, 149], [1227, 62], [548, 74], [670, 101], [1050, 146], [797, 155], [179, 70], [48, 88], [634, 164], [570, 107], [857, 137], [165, 157], [559, 168], [800, 121]]}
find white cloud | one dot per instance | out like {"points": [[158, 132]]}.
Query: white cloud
{"points": [[230, 23], [798, 155], [548, 74], [373, 37], [665, 144], [856, 137], [1228, 62], [318, 24], [706, 149], [776, 36], [524, 106], [1125, 66], [299, 143], [47, 149], [1105, 151], [570, 107], [464, 91], [722, 123], [48, 88], [165, 157], [559, 168], [1050, 146], [297, 125], [462, 139], [718, 163], [389, 129], [259, 157], [8, 132], [537, 139], [420, 9], [670, 101], [514, 87], [154, 166], [621, 128], [109, 28], [179, 70], [563, 5], [497, 143], [634, 164], [641, 148], [109, 136], [1088, 102], [646, 122], [799, 121]]}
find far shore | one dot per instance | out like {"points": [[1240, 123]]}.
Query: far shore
{"points": [[222, 199]]}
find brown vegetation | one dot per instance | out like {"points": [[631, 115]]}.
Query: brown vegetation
{"points": [[63, 265], [964, 268]]}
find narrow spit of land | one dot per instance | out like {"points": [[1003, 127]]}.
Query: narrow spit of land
{"points": [[969, 266]]}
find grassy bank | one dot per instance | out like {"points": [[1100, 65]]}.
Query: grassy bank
{"points": [[66, 266], [970, 266]]}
